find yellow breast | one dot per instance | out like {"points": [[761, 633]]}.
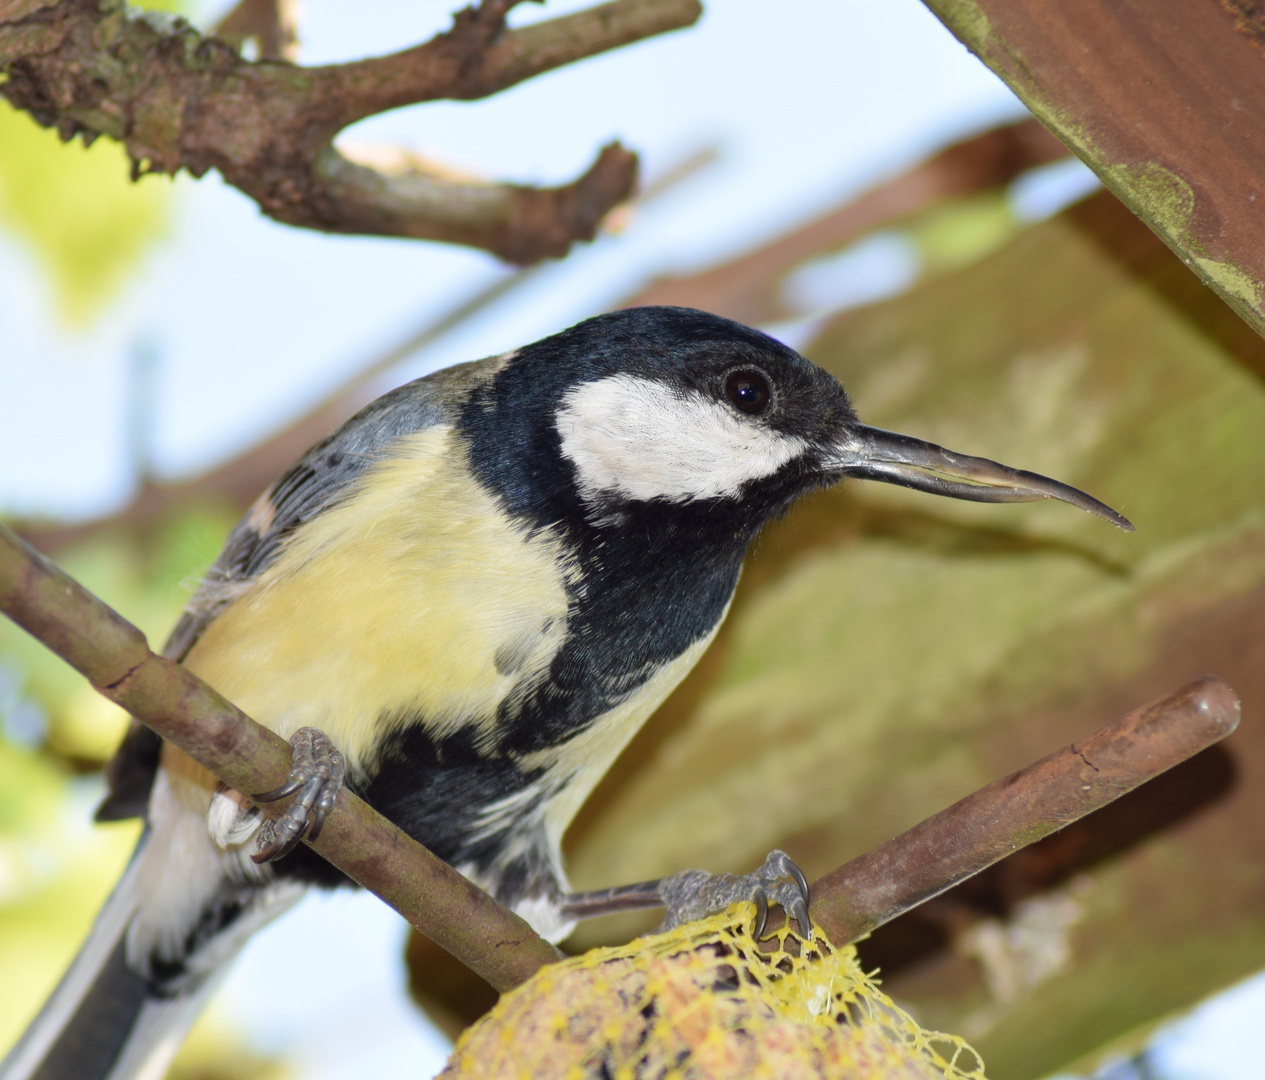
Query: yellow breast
{"points": [[417, 598]]}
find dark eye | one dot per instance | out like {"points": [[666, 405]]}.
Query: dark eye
{"points": [[748, 391]]}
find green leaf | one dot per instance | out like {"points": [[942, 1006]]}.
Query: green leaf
{"points": [[78, 212]]}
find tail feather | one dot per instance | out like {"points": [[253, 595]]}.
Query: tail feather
{"points": [[155, 1036], [104, 1020], [89, 1045]]}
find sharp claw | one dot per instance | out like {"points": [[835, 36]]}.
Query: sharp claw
{"points": [[265, 843], [761, 912], [265, 854], [784, 866], [268, 843], [288, 788], [799, 912], [274, 852], [318, 823], [801, 882], [317, 772], [273, 847]]}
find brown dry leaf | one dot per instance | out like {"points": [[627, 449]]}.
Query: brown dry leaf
{"points": [[889, 652]]}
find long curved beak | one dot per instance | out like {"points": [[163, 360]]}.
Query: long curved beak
{"points": [[874, 454]]}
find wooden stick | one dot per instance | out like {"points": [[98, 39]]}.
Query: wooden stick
{"points": [[1020, 809]]}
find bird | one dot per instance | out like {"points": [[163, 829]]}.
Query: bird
{"points": [[463, 604]]}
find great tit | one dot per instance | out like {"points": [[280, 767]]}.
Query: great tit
{"points": [[478, 589]]}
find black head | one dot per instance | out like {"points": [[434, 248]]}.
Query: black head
{"points": [[659, 407]]}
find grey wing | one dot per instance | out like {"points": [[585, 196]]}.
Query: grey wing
{"points": [[324, 476]]}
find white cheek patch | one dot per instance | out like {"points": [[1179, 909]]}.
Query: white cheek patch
{"points": [[638, 438]]}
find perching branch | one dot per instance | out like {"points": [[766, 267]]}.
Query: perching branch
{"points": [[1022, 808], [177, 99], [114, 656], [848, 903]]}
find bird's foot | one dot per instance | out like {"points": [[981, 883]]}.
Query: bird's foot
{"points": [[317, 771], [695, 894]]}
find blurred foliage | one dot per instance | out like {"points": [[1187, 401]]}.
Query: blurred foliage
{"points": [[965, 230], [77, 209]]}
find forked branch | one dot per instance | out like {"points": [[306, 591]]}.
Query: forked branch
{"points": [[178, 99]]}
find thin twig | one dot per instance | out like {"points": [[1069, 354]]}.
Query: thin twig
{"points": [[479, 57], [113, 654], [1020, 809], [271, 23]]}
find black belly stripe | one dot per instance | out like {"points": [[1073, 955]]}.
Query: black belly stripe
{"points": [[436, 791]]}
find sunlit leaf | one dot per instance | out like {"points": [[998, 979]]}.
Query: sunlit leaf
{"points": [[77, 211]]}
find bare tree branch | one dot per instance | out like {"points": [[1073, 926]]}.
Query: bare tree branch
{"points": [[479, 57], [520, 224], [179, 100], [114, 656], [1022, 808]]}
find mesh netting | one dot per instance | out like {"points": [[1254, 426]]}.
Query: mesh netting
{"points": [[704, 1001]]}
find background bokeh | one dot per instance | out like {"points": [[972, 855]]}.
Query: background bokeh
{"points": [[885, 656]]}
